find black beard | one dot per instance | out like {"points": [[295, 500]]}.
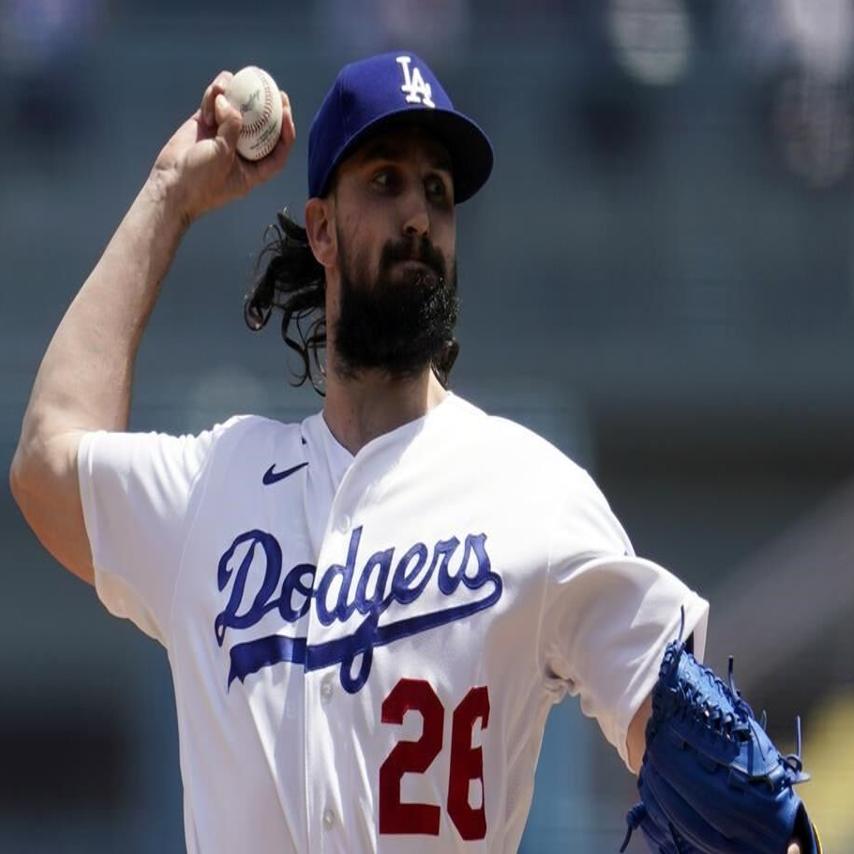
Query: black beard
{"points": [[399, 323]]}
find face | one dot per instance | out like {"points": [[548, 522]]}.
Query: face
{"points": [[394, 229]]}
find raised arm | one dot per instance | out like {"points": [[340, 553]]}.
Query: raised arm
{"points": [[85, 378]]}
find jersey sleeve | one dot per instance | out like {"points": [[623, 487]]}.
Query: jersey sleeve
{"points": [[608, 615], [137, 491]]}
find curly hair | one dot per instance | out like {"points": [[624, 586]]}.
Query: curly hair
{"points": [[293, 280]]}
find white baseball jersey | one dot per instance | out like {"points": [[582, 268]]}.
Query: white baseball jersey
{"points": [[365, 648]]}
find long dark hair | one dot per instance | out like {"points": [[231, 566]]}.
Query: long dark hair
{"points": [[293, 280], [289, 277]]}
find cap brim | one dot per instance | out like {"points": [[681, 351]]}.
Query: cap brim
{"points": [[469, 148]]}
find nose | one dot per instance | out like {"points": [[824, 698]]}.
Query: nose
{"points": [[416, 218]]}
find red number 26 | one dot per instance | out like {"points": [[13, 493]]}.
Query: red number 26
{"points": [[415, 757]]}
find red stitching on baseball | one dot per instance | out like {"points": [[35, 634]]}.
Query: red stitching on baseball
{"points": [[266, 112]]}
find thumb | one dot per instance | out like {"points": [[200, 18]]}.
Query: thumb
{"points": [[228, 122]]}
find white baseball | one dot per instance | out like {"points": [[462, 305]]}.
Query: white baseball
{"points": [[254, 92]]}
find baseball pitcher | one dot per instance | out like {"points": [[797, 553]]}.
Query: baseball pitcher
{"points": [[369, 614]]}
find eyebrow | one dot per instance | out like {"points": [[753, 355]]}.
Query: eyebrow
{"points": [[385, 149]]}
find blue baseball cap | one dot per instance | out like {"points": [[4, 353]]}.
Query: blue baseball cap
{"points": [[384, 89]]}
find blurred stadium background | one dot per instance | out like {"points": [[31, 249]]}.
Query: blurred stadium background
{"points": [[659, 278]]}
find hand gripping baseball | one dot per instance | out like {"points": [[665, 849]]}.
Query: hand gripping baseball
{"points": [[200, 162]]}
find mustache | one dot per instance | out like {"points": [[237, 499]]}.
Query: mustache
{"points": [[414, 250]]}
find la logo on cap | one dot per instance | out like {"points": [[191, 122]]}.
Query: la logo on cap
{"points": [[387, 88], [415, 87]]}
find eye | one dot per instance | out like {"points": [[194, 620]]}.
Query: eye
{"points": [[384, 179], [437, 188]]}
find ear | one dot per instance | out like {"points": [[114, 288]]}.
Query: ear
{"points": [[320, 227]]}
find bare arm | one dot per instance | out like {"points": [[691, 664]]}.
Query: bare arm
{"points": [[85, 378], [636, 739], [84, 382]]}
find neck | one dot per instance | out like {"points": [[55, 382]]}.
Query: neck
{"points": [[358, 409]]}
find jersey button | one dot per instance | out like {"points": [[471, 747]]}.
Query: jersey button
{"points": [[344, 524], [326, 687], [329, 818]]}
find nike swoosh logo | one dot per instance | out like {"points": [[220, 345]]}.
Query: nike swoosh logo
{"points": [[271, 476]]}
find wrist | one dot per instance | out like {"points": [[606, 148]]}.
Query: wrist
{"points": [[165, 192]]}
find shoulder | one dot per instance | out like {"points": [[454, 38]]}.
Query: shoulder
{"points": [[508, 443], [508, 460], [184, 456], [243, 438], [241, 428]]}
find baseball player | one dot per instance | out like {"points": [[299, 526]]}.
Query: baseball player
{"points": [[369, 614]]}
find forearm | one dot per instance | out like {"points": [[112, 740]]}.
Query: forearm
{"points": [[84, 382], [636, 739]]}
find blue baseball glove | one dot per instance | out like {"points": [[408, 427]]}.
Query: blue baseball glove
{"points": [[711, 779]]}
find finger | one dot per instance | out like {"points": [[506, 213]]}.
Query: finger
{"points": [[289, 132], [264, 169], [217, 87], [228, 122], [794, 848]]}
